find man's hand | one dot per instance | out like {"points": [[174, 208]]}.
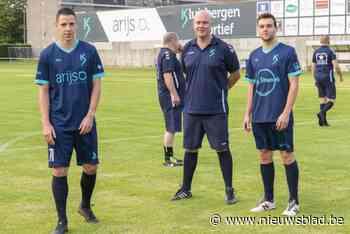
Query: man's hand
{"points": [[247, 122], [86, 125], [175, 100], [49, 133], [282, 121]]}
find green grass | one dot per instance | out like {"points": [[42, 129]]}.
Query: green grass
{"points": [[133, 189]]}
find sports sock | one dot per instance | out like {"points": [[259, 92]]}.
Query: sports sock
{"points": [[292, 173], [60, 194], [268, 176], [87, 184], [328, 106], [322, 106], [189, 167], [225, 159]]}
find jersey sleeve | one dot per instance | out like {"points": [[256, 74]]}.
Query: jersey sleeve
{"points": [[97, 66], [333, 55], [42, 73], [314, 57], [168, 62], [231, 59], [249, 72], [293, 65]]}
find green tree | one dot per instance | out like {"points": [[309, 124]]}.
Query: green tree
{"points": [[12, 13]]}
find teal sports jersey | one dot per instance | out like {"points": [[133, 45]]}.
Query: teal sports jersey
{"points": [[69, 75], [270, 71]]}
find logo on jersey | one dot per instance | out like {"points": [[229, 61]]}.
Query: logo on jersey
{"points": [[321, 58], [58, 60], [266, 82], [275, 59], [82, 59], [71, 78], [94, 156], [296, 66], [190, 53], [167, 55], [99, 67], [211, 52], [232, 50]]}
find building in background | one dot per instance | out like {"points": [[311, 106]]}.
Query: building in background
{"points": [[299, 22]]}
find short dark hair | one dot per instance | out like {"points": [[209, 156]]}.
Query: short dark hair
{"points": [[65, 11], [267, 16]]}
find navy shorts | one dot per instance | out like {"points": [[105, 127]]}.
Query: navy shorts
{"points": [[173, 119], [59, 155], [326, 89], [267, 137], [215, 126]]}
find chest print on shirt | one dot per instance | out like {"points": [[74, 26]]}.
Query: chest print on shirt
{"points": [[190, 53], [275, 59], [82, 59], [212, 52]]}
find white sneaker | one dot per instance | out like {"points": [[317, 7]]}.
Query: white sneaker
{"points": [[292, 209], [264, 206]]}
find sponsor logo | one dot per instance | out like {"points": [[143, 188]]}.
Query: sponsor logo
{"points": [[223, 14], [266, 82], [86, 26], [71, 77], [291, 8], [129, 24]]}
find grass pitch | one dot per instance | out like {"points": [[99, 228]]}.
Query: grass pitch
{"points": [[133, 189]]}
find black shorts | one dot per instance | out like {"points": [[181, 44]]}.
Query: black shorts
{"points": [[173, 119], [59, 154], [326, 88], [267, 137], [215, 126]]}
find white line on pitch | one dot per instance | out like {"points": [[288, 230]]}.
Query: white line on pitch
{"points": [[5, 146]]}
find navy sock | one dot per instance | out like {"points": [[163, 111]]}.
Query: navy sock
{"points": [[225, 159], [328, 106], [268, 176], [292, 172], [322, 106], [189, 167], [87, 184], [168, 152], [60, 194]]}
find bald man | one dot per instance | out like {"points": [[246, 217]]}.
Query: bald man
{"points": [[324, 62], [206, 61], [171, 88]]}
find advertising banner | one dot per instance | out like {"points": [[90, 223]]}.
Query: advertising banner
{"points": [[132, 25], [291, 8], [228, 21]]}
